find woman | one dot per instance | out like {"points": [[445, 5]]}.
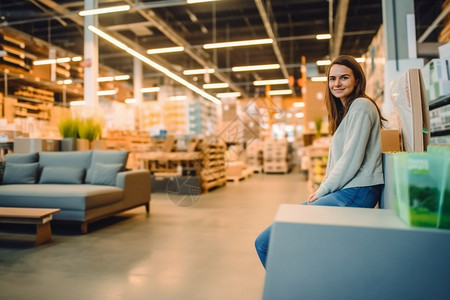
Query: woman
{"points": [[354, 176]]}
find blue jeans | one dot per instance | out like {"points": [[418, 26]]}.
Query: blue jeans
{"points": [[367, 197]]}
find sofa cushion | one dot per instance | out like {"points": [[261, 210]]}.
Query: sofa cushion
{"points": [[73, 159], [20, 173], [64, 196], [105, 174], [22, 158], [106, 157], [65, 175]]}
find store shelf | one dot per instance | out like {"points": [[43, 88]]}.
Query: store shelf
{"points": [[441, 101], [440, 133]]}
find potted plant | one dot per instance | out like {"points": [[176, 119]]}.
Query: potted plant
{"points": [[68, 128], [318, 123], [89, 130]]}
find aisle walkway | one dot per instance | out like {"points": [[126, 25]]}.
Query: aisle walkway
{"points": [[200, 252]]}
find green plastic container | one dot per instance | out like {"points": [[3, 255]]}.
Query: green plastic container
{"points": [[418, 186]]}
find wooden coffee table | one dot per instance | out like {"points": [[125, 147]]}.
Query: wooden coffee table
{"points": [[39, 216]]}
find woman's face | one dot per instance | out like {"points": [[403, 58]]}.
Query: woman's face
{"points": [[341, 82]]}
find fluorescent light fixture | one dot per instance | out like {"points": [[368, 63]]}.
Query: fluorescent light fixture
{"points": [[198, 71], [198, 1], [238, 43], [56, 60], [319, 78], [150, 90], [66, 81], [153, 64], [279, 92], [105, 79], [325, 62], [178, 98], [63, 60], [121, 77], [228, 95], [255, 68], [270, 82], [215, 85], [77, 103], [299, 115], [104, 10], [299, 104], [325, 36], [112, 78], [106, 93], [360, 59], [44, 62], [165, 50], [130, 101]]}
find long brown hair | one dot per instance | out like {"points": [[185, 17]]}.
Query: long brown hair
{"points": [[336, 110]]}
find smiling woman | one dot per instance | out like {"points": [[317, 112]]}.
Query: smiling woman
{"points": [[354, 175]]}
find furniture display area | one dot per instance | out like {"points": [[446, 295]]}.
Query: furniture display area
{"points": [[39, 216], [354, 253], [85, 185]]}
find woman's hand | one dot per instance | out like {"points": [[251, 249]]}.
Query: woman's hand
{"points": [[311, 198]]}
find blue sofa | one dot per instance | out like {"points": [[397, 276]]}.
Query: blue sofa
{"points": [[85, 185]]}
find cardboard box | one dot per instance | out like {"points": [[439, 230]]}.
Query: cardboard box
{"points": [[390, 140]]}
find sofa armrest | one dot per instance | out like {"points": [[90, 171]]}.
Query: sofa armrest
{"points": [[135, 185]]}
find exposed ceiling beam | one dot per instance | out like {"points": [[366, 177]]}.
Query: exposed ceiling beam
{"points": [[339, 28], [167, 30], [271, 34]]}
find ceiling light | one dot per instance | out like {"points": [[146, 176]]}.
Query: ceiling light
{"points": [[198, 71], [66, 81], [56, 60], [255, 68], [319, 78], [270, 82], [178, 98], [165, 50], [198, 1], [150, 90], [238, 43], [122, 77], [279, 92], [105, 79], [106, 93], [326, 36], [324, 62], [130, 101], [44, 62], [104, 10], [299, 104], [360, 59], [77, 103], [153, 64], [299, 115], [228, 95], [215, 85], [63, 60]]}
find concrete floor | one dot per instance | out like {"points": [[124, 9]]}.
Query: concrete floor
{"points": [[200, 252]]}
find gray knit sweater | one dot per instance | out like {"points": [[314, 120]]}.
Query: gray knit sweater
{"points": [[355, 152]]}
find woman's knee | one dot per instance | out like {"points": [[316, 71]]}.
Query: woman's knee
{"points": [[262, 241]]}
